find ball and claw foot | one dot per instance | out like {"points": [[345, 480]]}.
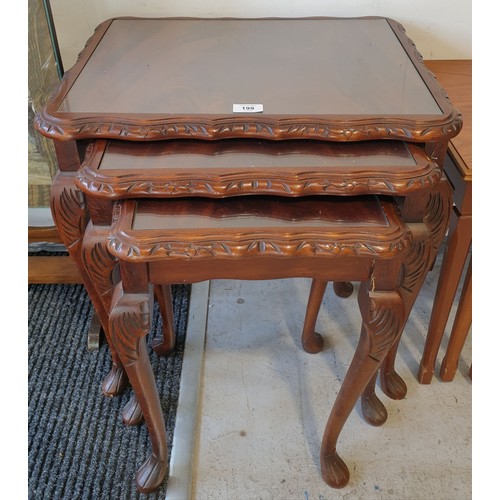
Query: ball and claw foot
{"points": [[132, 413], [374, 411], [151, 474], [334, 470], [313, 343], [114, 382], [393, 385]]}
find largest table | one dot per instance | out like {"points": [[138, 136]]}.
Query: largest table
{"points": [[314, 79]]}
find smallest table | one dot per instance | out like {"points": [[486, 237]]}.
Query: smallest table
{"points": [[160, 242]]}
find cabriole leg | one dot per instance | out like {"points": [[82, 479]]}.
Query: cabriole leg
{"points": [[129, 322], [162, 345], [382, 314]]}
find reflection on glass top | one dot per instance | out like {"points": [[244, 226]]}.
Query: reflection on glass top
{"points": [[247, 154], [291, 67], [258, 212]]}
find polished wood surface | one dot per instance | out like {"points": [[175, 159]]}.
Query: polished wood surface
{"points": [[177, 168], [152, 79]]}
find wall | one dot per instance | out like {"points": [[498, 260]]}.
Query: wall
{"points": [[440, 29]]}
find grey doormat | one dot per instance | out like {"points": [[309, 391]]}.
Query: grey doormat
{"points": [[78, 445]]}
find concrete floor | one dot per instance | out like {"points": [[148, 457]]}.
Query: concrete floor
{"points": [[263, 404]]}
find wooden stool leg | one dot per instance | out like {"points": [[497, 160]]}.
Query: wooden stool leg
{"points": [[129, 322], [313, 342], [383, 316], [461, 325], [165, 343], [459, 240]]}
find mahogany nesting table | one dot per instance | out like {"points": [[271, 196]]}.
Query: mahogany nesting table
{"points": [[174, 91]]}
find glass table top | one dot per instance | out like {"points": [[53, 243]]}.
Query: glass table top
{"points": [[251, 154], [257, 212], [321, 66]]}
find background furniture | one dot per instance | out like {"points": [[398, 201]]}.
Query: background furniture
{"points": [[50, 268], [456, 76]]}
